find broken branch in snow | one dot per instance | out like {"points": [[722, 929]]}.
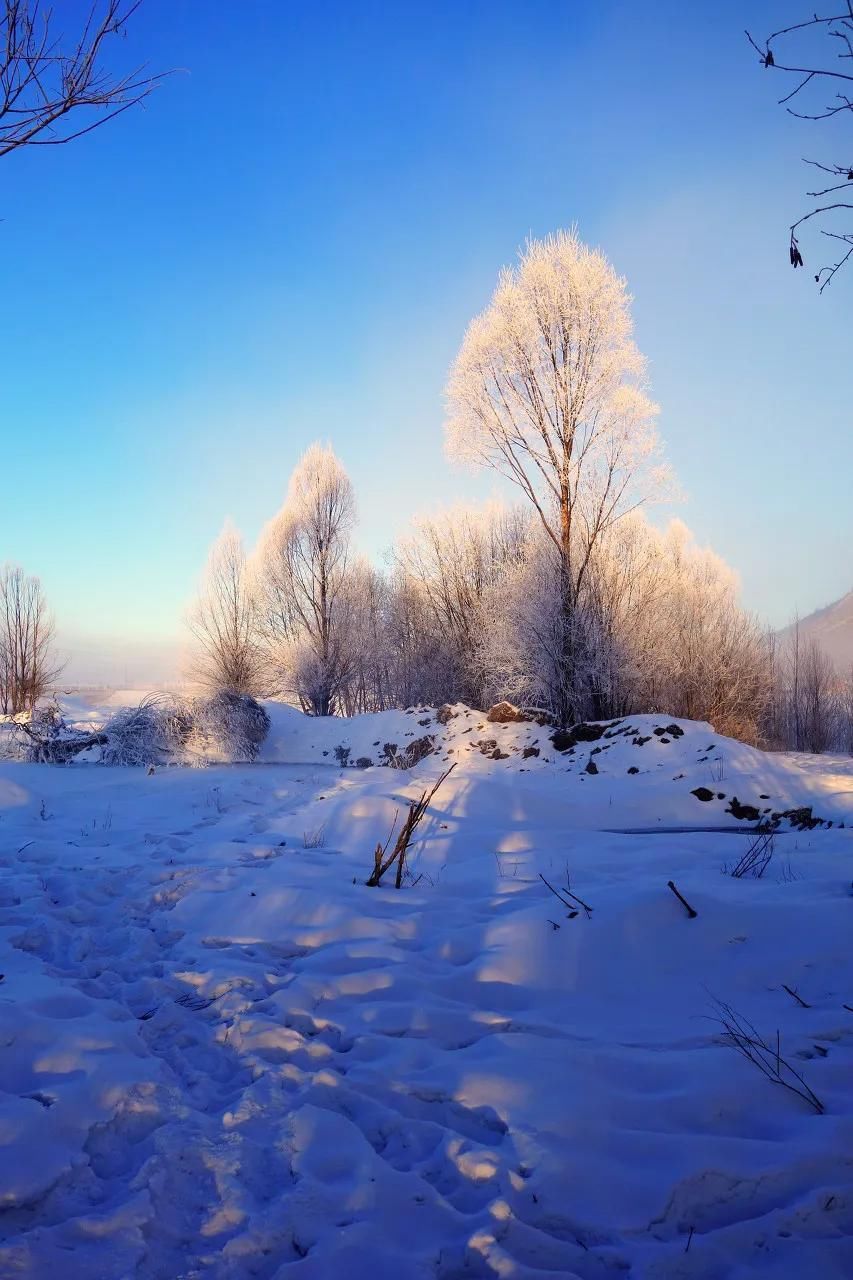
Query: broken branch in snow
{"points": [[799, 999], [381, 863], [572, 910], [742, 1035], [570, 907], [690, 911]]}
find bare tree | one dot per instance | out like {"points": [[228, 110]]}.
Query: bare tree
{"points": [[818, 54], [421, 668], [845, 712], [818, 700], [54, 86], [27, 664], [228, 656], [548, 389], [303, 583]]}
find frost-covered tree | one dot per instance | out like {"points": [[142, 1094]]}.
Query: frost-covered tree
{"points": [[27, 662], [453, 558], [301, 576], [227, 655], [421, 666], [549, 390], [365, 608], [658, 627], [714, 658]]}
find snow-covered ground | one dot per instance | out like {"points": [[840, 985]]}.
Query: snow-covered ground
{"points": [[222, 1055]]}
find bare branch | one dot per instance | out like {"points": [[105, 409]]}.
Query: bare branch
{"points": [[820, 68], [48, 79]]}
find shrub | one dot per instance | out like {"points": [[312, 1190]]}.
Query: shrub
{"points": [[147, 734], [227, 726]]}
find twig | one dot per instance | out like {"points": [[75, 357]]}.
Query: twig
{"points": [[587, 908], [689, 1238], [800, 1001], [691, 913], [742, 1035], [555, 892]]}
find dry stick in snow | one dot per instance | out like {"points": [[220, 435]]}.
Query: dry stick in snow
{"points": [[381, 863], [756, 860], [692, 914], [572, 910], [587, 908], [800, 1001]]}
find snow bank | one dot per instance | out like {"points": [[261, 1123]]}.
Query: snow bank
{"points": [[644, 770], [222, 1055]]}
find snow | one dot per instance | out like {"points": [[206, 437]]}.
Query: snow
{"points": [[222, 1055]]}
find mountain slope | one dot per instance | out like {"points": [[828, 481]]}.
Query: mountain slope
{"points": [[832, 628]]}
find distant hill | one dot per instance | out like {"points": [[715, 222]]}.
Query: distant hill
{"points": [[832, 628]]}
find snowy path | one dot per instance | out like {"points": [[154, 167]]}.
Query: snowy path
{"points": [[223, 1056]]}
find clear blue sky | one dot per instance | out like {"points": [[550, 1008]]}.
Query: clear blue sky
{"points": [[288, 242]]}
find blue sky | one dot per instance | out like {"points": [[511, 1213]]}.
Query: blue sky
{"points": [[287, 243]]}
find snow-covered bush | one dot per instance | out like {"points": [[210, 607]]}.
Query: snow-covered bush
{"points": [[227, 727], [149, 733]]}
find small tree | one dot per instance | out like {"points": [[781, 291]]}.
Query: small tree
{"points": [[227, 655], [454, 558], [302, 583], [548, 389], [27, 664], [818, 699]]}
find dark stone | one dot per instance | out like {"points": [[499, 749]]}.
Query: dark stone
{"points": [[702, 793], [633, 769], [529, 751], [591, 766], [419, 750], [743, 812]]}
